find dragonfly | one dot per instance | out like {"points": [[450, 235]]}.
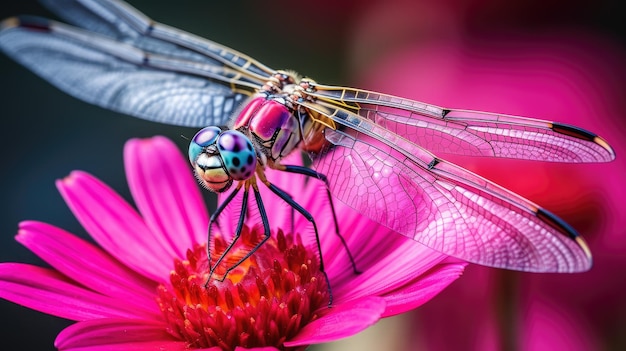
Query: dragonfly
{"points": [[375, 152]]}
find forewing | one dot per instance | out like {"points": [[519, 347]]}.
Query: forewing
{"points": [[471, 133], [124, 78], [404, 187], [123, 22]]}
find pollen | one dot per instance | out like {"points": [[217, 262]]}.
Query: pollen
{"points": [[264, 301]]}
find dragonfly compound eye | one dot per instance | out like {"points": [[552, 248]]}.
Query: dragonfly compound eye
{"points": [[206, 161], [203, 138], [237, 153]]}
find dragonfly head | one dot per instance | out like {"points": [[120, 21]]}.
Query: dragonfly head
{"points": [[219, 157]]}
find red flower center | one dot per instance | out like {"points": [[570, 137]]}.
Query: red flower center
{"points": [[263, 302]]}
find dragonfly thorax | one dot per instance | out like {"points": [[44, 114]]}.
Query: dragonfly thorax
{"points": [[219, 157], [273, 126]]}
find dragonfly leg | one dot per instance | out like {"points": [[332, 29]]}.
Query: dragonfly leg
{"points": [[292, 213], [213, 219], [283, 195], [244, 207], [312, 173], [266, 230]]}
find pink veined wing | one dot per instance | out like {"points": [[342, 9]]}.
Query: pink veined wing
{"points": [[394, 181], [471, 133]]}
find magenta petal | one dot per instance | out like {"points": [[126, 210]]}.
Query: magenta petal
{"points": [[423, 289], [117, 334], [87, 264], [138, 346], [342, 321], [49, 292], [269, 348], [115, 225], [407, 261], [166, 193]]}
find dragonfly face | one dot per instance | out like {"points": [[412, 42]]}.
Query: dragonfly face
{"points": [[219, 157], [375, 151]]}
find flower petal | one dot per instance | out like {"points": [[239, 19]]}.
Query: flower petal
{"points": [[166, 193], [422, 289], [138, 346], [49, 292], [342, 321], [368, 241], [399, 267], [115, 225], [117, 334], [125, 334], [88, 265]]}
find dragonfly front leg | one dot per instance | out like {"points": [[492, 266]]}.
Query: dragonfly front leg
{"points": [[213, 219], [264, 221]]}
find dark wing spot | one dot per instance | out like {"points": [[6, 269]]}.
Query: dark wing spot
{"points": [[232, 171], [573, 131], [250, 159], [249, 146], [247, 175], [236, 147], [236, 161]]}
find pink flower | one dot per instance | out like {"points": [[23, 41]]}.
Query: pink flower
{"points": [[143, 288]]}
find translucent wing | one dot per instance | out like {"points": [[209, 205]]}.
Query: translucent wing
{"points": [[124, 23], [404, 187], [130, 64], [118, 76], [471, 133]]}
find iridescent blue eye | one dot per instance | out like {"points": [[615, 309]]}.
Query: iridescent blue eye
{"points": [[238, 154], [203, 138]]}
